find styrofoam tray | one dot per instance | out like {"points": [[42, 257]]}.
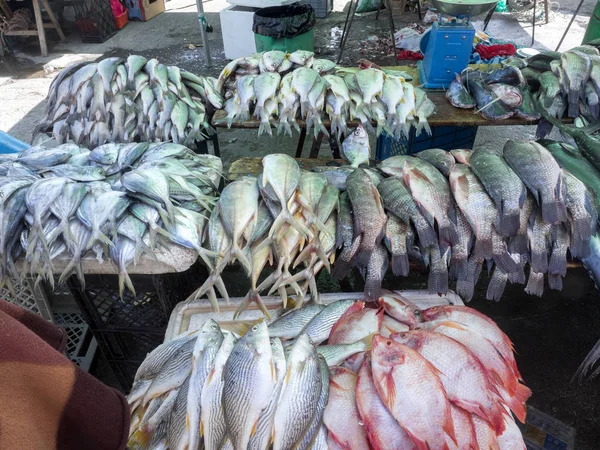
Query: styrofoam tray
{"points": [[192, 315]]}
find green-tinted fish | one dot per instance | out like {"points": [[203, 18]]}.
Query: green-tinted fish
{"points": [[291, 324]]}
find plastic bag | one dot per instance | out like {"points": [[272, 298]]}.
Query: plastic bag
{"points": [[408, 39], [284, 21], [368, 5]]}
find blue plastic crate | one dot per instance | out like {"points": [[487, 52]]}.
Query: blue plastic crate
{"points": [[447, 138], [9, 144]]}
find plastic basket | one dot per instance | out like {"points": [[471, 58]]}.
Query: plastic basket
{"points": [[322, 7], [447, 138], [95, 20]]}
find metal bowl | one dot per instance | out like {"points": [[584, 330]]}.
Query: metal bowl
{"points": [[470, 8]]}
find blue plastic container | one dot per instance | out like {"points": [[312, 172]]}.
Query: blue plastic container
{"points": [[9, 144], [447, 138]]}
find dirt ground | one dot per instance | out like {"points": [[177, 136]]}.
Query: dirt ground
{"points": [[551, 335]]}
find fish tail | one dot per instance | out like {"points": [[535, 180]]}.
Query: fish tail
{"points": [[220, 285], [206, 256], [447, 231], [579, 247], [483, 248], [551, 211], [458, 267], [494, 414], [573, 110], [390, 124], [517, 401], [342, 265], [539, 261], [497, 285], [543, 129], [518, 244], [265, 127], [555, 282], [400, 265], [437, 283], [125, 281], [509, 223], [300, 227], [535, 284], [557, 265], [466, 289], [505, 262], [241, 257], [98, 235], [212, 298], [427, 236], [518, 276], [373, 285]]}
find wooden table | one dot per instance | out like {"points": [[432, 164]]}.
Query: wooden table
{"points": [[253, 166], [446, 114]]}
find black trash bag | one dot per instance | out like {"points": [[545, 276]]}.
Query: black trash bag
{"points": [[284, 21]]}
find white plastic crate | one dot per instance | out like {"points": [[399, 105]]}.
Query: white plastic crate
{"points": [[236, 28]]}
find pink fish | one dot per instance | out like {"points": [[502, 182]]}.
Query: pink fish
{"points": [[464, 429], [341, 414], [400, 308], [389, 326], [383, 430], [411, 390], [462, 375], [479, 323], [354, 362], [355, 326], [486, 438], [511, 438]]}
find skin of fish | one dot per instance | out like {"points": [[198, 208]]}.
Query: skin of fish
{"points": [[458, 96], [302, 82], [107, 69], [173, 372], [177, 432], [503, 185], [135, 63], [440, 159], [370, 82], [540, 172], [323, 66], [398, 307], [582, 210], [577, 68], [249, 380], [291, 324], [376, 269], [355, 325], [477, 206], [205, 351], [369, 216], [212, 421], [471, 390], [300, 394], [319, 328], [487, 104], [302, 57], [412, 392], [382, 429], [398, 200], [336, 354], [341, 416]]}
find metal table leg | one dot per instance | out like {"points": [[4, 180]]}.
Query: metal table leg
{"points": [[347, 26], [569, 26], [487, 19], [392, 28], [335, 148], [533, 23], [301, 140], [202, 21], [316, 145]]}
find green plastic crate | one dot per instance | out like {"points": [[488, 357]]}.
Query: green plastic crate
{"points": [[304, 41]]}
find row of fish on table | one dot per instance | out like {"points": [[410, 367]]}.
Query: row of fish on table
{"points": [[338, 376], [453, 211], [136, 99], [115, 202], [293, 86], [496, 95]]}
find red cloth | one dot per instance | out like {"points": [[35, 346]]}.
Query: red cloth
{"points": [[407, 54], [489, 51]]}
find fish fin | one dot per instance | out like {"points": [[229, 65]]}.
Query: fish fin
{"points": [[98, 235], [539, 261], [518, 244], [517, 403], [518, 276], [212, 298], [557, 264], [551, 211], [220, 285], [543, 129], [573, 110], [141, 438], [252, 296], [265, 127], [125, 281], [587, 364], [535, 284], [242, 258], [497, 285]]}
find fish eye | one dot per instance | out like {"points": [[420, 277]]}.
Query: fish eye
{"points": [[214, 327], [388, 343], [255, 328]]}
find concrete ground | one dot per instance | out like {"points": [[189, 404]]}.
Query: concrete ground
{"points": [[551, 335]]}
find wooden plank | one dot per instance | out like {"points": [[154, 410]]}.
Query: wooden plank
{"points": [[175, 259], [40, 27], [53, 20], [21, 33], [253, 166]]}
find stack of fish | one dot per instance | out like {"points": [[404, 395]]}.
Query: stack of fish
{"points": [[287, 217], [507, 208], [497, 95], [565, 82], [117, 201], [278, 84], [443, 377], [119, 100]]}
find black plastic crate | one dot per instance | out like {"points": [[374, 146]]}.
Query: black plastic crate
{"points": [[148, 310], [95, 20], [447, 138]]}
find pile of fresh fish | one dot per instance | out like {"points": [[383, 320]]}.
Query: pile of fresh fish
{"points": [[344, 375], [496, 95], [505, 208], [285, 218], [565, 82], [137, 99], [116, 202], [280, 88]]}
